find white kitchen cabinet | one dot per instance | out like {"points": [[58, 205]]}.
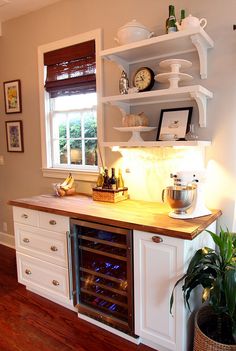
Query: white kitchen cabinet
{"points": [[185, 41], [41, 252], [158, 262]]}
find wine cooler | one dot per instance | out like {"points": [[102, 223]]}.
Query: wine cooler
{"points": [[102, 273]]}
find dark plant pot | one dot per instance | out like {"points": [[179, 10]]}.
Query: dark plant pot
{"points": [[202, 342]]}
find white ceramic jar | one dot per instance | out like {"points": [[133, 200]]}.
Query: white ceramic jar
{"points": [[131, 32]]}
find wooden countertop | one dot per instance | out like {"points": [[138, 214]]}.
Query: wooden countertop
{"points": [[140, 215]]}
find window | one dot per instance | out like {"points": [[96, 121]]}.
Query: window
{"points": [[74, 127], [69, 78]]}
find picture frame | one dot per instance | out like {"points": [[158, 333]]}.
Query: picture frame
{"points": [[12, 96], [174, 123], [14, 135]]}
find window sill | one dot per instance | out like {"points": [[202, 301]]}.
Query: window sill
{"points": [[85, 176]]}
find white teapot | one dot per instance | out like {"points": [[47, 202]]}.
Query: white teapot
{"points": [[191, 22]]}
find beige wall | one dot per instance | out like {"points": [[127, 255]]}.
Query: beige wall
{"points": [[21, 174]]}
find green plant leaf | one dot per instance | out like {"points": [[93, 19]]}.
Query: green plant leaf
{"points": [[230, 290], [172, 294]]}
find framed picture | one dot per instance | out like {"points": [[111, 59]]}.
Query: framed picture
{"points": [[174, 123], [12, 96], [14, 132]]}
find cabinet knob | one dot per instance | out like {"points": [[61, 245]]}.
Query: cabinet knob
{"points": [[55, 282], [24, 216], [26, 240], [52, 222], [54, 248], [157, 239], [28, 271]]}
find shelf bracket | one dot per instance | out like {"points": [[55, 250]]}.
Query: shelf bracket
{"points": [[201, 47], [122, 64], [201, 101], [124, 108]]}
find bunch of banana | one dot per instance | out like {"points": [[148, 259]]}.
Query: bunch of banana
{"points": [[68, 183], [66, 188]]}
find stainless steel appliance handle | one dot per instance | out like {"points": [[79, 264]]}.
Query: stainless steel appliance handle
{"points": [[68, 238]]}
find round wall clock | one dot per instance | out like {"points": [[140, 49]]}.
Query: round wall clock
{"points": [[144, 79]]}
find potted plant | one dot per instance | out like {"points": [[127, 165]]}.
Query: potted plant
{"points": [[215, 272]]}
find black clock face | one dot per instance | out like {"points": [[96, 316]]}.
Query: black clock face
{"points": [[144, 79]]}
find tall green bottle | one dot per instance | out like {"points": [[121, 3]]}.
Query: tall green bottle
{"points": [[170, 25], [182, 15]]}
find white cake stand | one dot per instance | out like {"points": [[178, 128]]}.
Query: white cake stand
{"points": [[135, 131], [175, 64], [173, 78]]}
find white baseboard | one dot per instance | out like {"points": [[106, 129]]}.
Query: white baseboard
{"points": [[7, 240]]}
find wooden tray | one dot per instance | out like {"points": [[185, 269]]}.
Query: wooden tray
{"points": [[110, 195]]}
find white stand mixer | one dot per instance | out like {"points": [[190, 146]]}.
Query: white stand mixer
{"points": [[197, 207]]}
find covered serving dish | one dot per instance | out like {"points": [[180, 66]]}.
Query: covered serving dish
{"points": [[131, 32]]}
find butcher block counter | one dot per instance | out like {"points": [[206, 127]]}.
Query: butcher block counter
{"points": [[132, 214]]}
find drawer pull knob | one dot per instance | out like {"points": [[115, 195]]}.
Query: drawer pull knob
{"points": [[52, 222], [54, 248], [157, 239], [24, 216], [26, 240], [55, 282], [28, 271]]}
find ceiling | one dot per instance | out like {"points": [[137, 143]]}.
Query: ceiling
{"points": [[14, 8]]}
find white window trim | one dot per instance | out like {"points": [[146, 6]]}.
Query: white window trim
{"points": [[48, 170]]}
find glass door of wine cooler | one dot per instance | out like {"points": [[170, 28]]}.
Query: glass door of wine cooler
{"points": [[102, 273]]}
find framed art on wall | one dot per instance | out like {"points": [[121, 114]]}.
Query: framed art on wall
{"points": [[14, 134], [174, 123], [12, 96]]}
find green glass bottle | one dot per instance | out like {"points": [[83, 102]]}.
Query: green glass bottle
{"points": [[171, 22], [182, 15]]}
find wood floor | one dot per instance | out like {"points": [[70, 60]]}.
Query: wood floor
{"points": [[29, 322]]}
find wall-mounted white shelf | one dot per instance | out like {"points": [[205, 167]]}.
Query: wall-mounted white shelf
{"points": [[194, 92], [180, 144], [195, 39]]}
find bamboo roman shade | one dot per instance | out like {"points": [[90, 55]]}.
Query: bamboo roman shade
{"points": [[71, 70]]}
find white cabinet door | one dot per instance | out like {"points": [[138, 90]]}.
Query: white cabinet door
{"points": [[156, 266]]}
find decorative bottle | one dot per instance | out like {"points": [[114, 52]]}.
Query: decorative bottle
{"points": [[191, 135], [123, 83], [113, 179], [106, 179], [100, 179], [171, 26], [182, 15], [120, 180]]}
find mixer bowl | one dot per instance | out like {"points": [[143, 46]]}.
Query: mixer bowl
{"points": [[180, 198]]}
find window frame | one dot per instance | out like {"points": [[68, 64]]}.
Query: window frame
{"points": [[47, 168]]}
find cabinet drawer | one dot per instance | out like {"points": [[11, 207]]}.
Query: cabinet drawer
{"points": [[45, 276], [42, 244], [26, 216], [53, 222]]}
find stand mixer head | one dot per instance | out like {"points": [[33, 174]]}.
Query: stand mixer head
{"points": [[186, 196]]}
